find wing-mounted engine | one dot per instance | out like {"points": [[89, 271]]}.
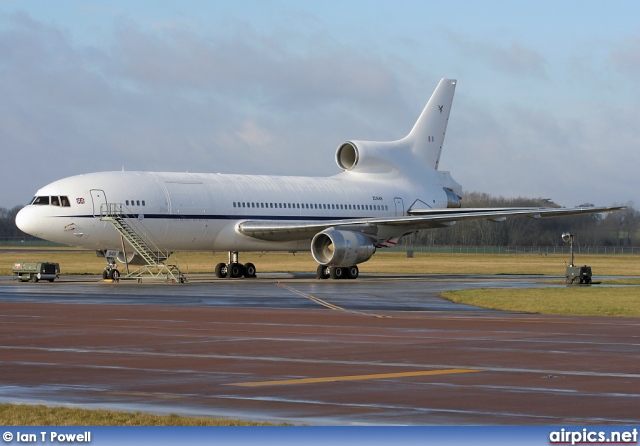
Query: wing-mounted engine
{"points": [[370, 156], [333, 247]]}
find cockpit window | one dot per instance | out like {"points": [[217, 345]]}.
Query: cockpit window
{"points": [[41, 201], [53, 201]]}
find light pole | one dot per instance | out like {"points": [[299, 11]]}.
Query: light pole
{"points": [[568, 237]]}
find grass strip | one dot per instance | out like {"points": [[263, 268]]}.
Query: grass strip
{"points": [[26, 415], [573, 300], [86, 262]]}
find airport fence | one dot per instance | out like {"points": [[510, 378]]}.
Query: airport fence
{"points": [[445, 249], [542, 250], [28, 242]]}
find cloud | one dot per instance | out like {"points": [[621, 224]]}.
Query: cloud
{"points": [[583, 153], [251, 65], [168, 98], [625, 57], [513, 59]]}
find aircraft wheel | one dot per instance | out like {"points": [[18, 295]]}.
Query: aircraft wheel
{"points": [[249, 270], [322, 272], [115, 274], [337, 272], [221, 270], [352, 272], [234, 270]]}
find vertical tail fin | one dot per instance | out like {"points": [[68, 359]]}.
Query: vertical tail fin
{"points": [[427, 135]]}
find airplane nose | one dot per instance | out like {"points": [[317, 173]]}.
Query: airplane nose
{"points": [[26, 221]]}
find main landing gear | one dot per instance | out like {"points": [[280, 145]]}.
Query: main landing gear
{"points": [[234, 269], [337, 272]]}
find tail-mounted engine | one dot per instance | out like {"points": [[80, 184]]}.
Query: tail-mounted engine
{"points": [[369, 156], [341, 248]]}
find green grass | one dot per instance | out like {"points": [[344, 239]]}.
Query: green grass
{"points": [[86, 262], [572, 300], [25, 415]]}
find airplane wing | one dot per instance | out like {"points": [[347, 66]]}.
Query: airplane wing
{"points": [[291, 230]]}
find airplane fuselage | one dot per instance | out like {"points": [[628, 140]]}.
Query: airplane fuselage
{"points": [[194, 211]]}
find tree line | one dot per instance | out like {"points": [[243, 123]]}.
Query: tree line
{"points": [[8, 226], [621, 228]]}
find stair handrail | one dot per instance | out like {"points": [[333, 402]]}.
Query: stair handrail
{"points": [[116, 210]]}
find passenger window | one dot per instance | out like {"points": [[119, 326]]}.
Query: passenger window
{"points": [[143, 204], [137, 202]]}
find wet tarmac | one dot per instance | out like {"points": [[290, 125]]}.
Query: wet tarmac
{"points": [[289, 348]]}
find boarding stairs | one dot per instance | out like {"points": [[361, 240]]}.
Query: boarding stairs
{"points": [[117, 214]]}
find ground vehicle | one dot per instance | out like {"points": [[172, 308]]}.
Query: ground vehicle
{"points": [[578, 274], [35, 271]]}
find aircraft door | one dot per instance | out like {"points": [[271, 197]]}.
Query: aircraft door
{"points": [[98, 197], [399, 206]]}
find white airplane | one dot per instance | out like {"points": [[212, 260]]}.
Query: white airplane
{"points": [[385, 190]]}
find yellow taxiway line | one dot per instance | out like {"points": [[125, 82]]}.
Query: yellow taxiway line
{"points": [[329, 379]]}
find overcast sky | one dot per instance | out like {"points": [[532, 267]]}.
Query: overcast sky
{"points": [[547, 103]]}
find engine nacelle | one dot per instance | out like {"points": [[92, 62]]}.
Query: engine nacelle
{"points": [[341, 248], [369, 156], [132, 258]]}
